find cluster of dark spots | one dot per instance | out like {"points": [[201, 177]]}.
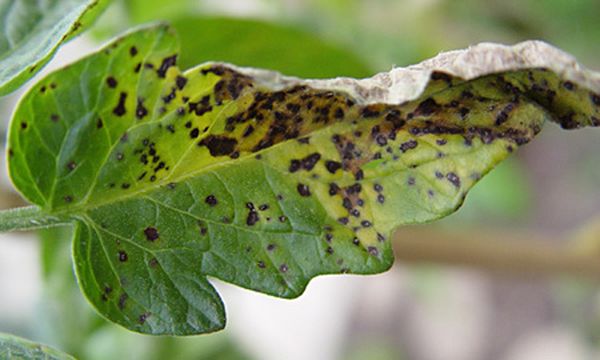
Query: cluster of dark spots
{"points": [[122, 256], [408, 145], [133, 51], [503, 115], [180, 82], [303, 189], [106, 293], [151, 233], [219, 145], [253, 217], [283, 268], [71, 165], [427, 107], [307, 163], [142, 319], [231, 85], [111, 82], [464, 111], [170, 96], [453, 178], [354, 189], [165, 65], [373, 250], [569, 85], [333, 189], [359, 175], [140, 110], [211, 200], [347, 203], [201, 106], [370, 111], [333, 166], [68, 199], [120, 110], [122, 301]]}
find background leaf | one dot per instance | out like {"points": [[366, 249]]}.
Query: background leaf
{"points": [[33, 30], [259, 180], [14, 348], [264, 45]]}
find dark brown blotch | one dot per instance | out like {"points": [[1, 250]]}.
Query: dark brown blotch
{"points": [[151, 233]]}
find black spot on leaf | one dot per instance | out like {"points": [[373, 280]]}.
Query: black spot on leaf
{"points": [[151, 233], [165, 65]]}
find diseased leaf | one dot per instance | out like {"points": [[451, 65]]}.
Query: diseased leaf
{"points": [[262, 180], [32, 30], [15, 348]]}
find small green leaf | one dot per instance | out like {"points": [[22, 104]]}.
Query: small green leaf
{"points": [[32, 31], [15, 348], [262, 180]]}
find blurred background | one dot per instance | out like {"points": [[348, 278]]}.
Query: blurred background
{"points": [[539, 209]]}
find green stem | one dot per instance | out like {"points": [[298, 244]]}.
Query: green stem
{"points": [[29, 218]]}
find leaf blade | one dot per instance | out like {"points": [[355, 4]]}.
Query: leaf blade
{"points": [[261, 180], [34, 31], [12, 347]]}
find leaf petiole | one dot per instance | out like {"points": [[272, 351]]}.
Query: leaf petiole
{"points": [[29, 218]]}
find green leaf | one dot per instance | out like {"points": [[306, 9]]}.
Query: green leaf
{"points": [[261, 180], [33, 30], [15, 348]]}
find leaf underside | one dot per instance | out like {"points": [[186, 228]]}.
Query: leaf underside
{"points": [[14, 348], [33, 29], [259, 180]]}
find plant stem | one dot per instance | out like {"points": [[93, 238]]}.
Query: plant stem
{"points": [[497, 251], [29, 218]]}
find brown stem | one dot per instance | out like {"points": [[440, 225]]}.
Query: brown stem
{"points": [[517, 253]]}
